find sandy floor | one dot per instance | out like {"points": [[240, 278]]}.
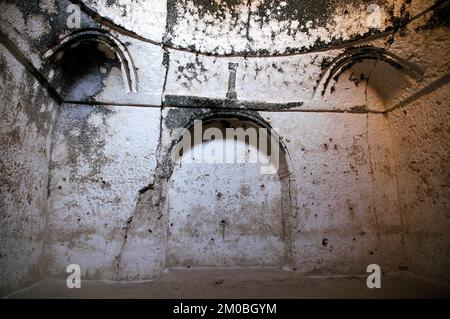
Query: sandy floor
{"points": [[243, 283]]}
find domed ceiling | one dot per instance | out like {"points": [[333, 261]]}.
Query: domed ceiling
{"points": [[253, 27]]}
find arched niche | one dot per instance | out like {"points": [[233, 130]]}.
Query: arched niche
{"points": [[366, 76], [80, 63], [224, 213]]}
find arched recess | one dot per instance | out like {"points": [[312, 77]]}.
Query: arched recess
{"points": [[100, 37], [353, 56], [207, 236]]}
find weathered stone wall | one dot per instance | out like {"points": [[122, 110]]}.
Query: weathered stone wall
{"points": [[419, 125], [346, 219], [341, 165], [333, 87], [102, 157], [420, 132], [26, 121]]}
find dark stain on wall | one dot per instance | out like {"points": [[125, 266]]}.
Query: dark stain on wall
{"points": [[227, 104], [26, 7], [179, 118], [57, 22], [82, 69], [191, 71], [32, 98], [184, 117], [439, 18], [88, 140], [318, 11], [307, 14]]}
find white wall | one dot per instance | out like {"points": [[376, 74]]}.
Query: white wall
{"points": [[366, 187], [26, 117]]}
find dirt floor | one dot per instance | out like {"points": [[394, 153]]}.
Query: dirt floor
{"points": [[243, 283]]}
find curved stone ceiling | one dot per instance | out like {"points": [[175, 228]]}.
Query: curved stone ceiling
{"points": [[242, 27]]}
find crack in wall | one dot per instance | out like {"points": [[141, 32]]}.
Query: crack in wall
{"points": [[249, 15], [157, 178], [129, 222], [367, 82]]}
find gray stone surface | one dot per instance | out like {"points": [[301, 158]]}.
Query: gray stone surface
{"points": [[90, 116]]}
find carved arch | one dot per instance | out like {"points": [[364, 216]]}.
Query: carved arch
{"points": [[100, 36], [354, 55]]}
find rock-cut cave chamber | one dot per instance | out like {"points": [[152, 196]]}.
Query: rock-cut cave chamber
{"points": [[97, 98]]}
